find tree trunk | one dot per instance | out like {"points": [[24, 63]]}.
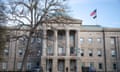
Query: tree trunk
{"points": [[23, 66]]}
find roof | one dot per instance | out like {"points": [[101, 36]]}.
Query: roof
{"points": [[91, 28], [65, 20], [96, 28], [112, 29]]}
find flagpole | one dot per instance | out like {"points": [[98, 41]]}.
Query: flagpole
{"points": [[96, 17], [96, 20]]}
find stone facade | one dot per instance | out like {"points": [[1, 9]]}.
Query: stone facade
{"points": [[68, 47]]}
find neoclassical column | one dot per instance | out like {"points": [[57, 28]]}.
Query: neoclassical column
{"points": [[55, 65], [55, 42], [67, 42], [43, 64], [44, 42], [76, 40], [67, 65], [79, 66]]}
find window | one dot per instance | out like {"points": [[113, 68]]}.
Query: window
{"points": [[99, 40], [61, 35], [8, 38], [19, 65], [113, 53], [72, 65], [61, 66], [71, 37], [114, 66], [50, 36], [90, 40], [99, 53], [82, 52], [22, 40], [90, 52], [20, 51], [37, 63], [83, 64], [4, 65], [6, 52], [49, 51], [81, 40], [112, 40], [38, 53], [49, 65], [39, 40], [100, 65], [29, 66], [91, 64], [61, 51], [72, 51]]}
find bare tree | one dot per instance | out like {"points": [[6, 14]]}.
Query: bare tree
{"points": [[2, 13], [33, 13], [2, 28]]}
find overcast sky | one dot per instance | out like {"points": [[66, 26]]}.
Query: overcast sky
{"points": [[108, 12]]}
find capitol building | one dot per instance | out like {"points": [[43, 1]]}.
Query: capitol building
{"points": [[68, 46]]}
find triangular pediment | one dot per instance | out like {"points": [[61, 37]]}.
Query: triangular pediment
{"points": [[66, 20]]}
